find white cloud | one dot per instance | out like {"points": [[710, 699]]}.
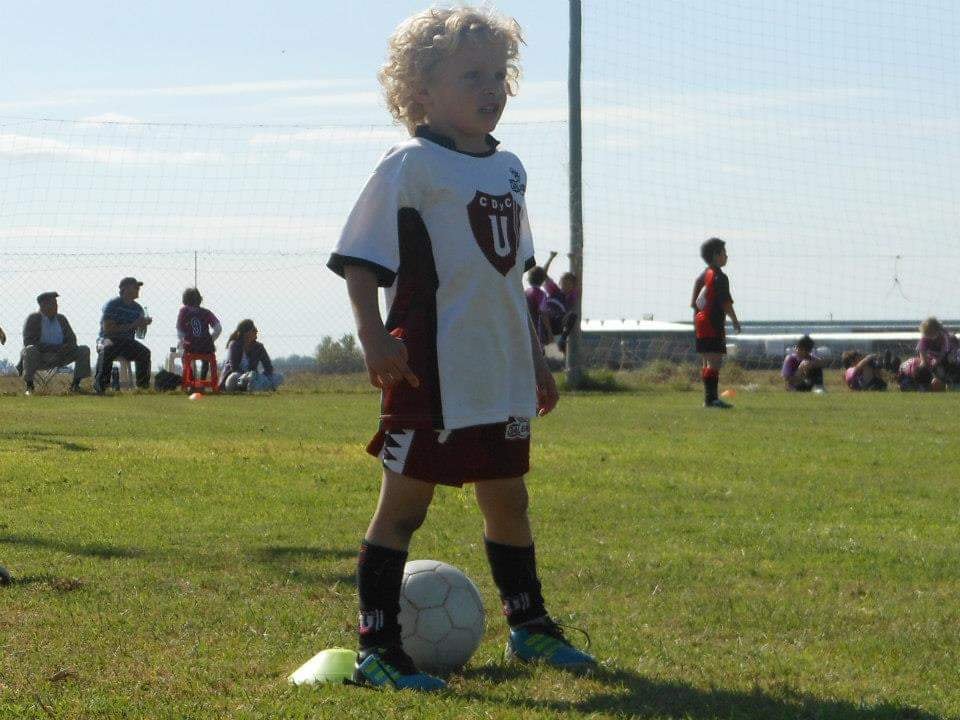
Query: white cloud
{"points": [[331, 134], [331, 100], [29, 146]]}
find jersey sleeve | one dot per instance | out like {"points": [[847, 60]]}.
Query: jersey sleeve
{"points": [[526, 240], [370, 237]]}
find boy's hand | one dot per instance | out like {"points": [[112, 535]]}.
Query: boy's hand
{"points": [[547, 395], [386, 359], [553, 253], [737, 328]]}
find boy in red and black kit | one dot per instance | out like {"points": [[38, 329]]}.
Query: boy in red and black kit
{"points": [[712, 304]]}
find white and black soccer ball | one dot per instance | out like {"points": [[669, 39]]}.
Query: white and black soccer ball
{"points": [[441, 615]]}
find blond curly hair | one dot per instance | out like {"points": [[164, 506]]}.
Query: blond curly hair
{"points": [[424, 40]]}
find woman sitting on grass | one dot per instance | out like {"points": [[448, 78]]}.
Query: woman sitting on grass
{"points": [[245, 357]]}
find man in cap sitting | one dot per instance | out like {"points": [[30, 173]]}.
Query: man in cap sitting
{"points": [[122, 317], [49, 342]]}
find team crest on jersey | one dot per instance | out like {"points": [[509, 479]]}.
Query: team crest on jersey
{"points": [[517, 429], [494, 220]]}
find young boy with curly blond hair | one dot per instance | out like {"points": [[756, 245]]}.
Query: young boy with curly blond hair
{"points": [[442, 225]]}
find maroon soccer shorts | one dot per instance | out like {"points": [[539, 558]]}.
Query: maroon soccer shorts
{"points": [[480, 452]]}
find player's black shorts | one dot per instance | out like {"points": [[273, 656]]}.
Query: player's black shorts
{"points": [[712, 345]]}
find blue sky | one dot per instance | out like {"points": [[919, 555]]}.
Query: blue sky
{"points": [[821, 139]]}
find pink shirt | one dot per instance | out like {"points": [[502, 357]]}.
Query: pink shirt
{"points": [[852, 377], [909, 367], [535, 298]]}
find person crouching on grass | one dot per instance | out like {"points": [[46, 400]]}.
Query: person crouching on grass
{"points": [[802, 371], [442, 224], [939, 351], [712, 304], [865, 372]]}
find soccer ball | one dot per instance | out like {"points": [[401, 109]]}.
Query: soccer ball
{"points": [[441, 614]]}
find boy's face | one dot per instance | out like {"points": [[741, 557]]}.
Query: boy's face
{"points": [[720, 259], [466, 95]]}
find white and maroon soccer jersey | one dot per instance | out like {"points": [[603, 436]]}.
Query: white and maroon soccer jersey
{"points": [[447, 234]]}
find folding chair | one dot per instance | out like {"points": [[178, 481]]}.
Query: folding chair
{"points": [[191, 383]]}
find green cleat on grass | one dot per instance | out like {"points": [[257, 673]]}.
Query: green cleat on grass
{"points": [[544, 642]]}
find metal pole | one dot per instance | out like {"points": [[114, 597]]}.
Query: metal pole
{"points": [[574, 362]]}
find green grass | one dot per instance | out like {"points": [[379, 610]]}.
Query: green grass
{"points": [[796, 557]]}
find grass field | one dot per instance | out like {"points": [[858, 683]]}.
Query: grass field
{"points": [[796, 557]]}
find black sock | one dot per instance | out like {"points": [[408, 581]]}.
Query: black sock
{"points": [[816, 377], [711, 381], [379, 577], [515, 573]]}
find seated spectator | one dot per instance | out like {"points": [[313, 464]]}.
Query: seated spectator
{"points": [[245, 357], [197, 327], [559, 309], [865, 372], [803, 370], [49, 342], [912, 375], [939, 350], [122, 318]]}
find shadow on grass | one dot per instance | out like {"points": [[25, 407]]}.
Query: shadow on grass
{"points": [[97, 550], [277, 553], [638, 697], [292, 563], [44, 441]]}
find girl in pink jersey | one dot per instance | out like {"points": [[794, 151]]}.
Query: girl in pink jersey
{"points": [[197, 328]]}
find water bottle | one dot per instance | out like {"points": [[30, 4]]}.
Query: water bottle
{"points": [[115, 378], [142, 331], [170, 365]]}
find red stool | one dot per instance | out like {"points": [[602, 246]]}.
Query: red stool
{"points": [[191, 383]]}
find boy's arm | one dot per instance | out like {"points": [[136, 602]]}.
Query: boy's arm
{"points": [[732, 314], [385, 355], [546, 267], [547, 395]]}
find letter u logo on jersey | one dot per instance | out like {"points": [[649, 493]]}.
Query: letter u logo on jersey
{"points": [[493, 219]]}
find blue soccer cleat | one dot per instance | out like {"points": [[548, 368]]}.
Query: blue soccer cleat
{"points": [[544, 642], [718, 404], [393, 668]]}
